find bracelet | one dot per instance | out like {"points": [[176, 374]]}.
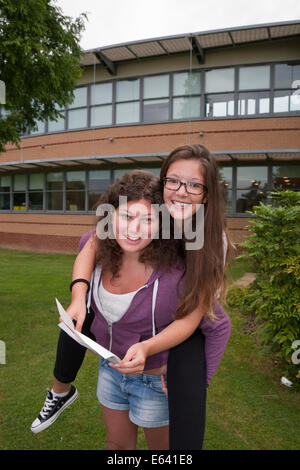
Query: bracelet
{"points": [[80, 280]]}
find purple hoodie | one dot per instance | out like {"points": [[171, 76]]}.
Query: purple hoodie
{"points": [[150, 311], [137, 323]]}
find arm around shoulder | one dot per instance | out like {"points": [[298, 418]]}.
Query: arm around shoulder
{"points": [[85, 261], [82, 269], [174, 334]]}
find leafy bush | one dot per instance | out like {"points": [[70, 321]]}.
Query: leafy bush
{"points": [[274, 297]]}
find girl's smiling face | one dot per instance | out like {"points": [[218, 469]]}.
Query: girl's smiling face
{"points": [[180, 203], [135, 225]]}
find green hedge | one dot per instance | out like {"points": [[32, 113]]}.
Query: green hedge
{"points": [[274, 297]]}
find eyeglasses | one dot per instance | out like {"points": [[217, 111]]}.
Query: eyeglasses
{"points": [[192, 188]]}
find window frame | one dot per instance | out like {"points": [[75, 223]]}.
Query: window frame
{"points": [[234, 165], [202, 94]]}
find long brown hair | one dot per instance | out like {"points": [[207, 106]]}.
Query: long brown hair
{"points": [[205, 271], [160, 253]]}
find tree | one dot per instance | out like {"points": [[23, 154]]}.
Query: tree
{"points": [[39, 63]]}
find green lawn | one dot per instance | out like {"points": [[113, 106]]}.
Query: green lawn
{"points": [[247, 406]]}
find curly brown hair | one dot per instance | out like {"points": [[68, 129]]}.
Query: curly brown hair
{"points": [[160, 253]]}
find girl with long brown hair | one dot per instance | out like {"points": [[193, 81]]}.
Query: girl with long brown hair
{"points": [[189, 177]]}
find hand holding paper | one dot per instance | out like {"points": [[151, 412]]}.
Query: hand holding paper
{"points": [[68, 326], [134, 360]]}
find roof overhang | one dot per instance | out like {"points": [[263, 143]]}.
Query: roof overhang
{"points": [[110, 56], [119, 161]]}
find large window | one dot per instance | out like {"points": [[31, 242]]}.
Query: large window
{"points": [[156, 98], [77, 118], [254, 78], [5, 189], [242, 186], [222, 93], [225, 175], [19, 193], [287, 88], [75, 190], [98, 182], [36, 190], [101, 104], [251, 184], [186, 93], [219, 102], [54, 191], [39, 128], [77, 115], [286, 177], [254, 102], [128, 101], [58, 124]]}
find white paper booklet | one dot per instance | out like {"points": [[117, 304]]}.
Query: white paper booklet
{"points": [[68, 326]]}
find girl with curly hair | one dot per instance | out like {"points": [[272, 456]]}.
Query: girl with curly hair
{"points": [[188, 178]]}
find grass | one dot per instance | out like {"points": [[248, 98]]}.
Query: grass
{"points": [[239, 267], [247, 406]]}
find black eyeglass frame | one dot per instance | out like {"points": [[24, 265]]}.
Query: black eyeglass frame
{"points": [[165, 181]]}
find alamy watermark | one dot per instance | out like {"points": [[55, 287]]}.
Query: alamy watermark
{"points": [[295, 97], [296, 84], [2, 92], [188, 226], [2, 352], [296, 354]]}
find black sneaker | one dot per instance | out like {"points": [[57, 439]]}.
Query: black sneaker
{"points": [[52, 409]]}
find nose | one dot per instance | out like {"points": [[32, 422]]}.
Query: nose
{"points": [[134, 226], [182, 190]]}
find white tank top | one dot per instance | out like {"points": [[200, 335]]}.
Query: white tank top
{"points": [[114, 306], [123, 300]]}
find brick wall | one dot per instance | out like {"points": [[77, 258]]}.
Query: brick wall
{"points": [[238, 134], [61, 233], [44, 232]]}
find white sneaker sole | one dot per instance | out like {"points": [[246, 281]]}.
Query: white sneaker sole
{"points": [[40, 427]]}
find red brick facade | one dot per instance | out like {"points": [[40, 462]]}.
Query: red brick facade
{"points": [[60, 232], [235, 134]]}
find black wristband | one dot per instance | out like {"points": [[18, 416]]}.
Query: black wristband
{"points": [[80, 280]]}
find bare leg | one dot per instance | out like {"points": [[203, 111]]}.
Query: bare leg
{"points": [[121, 432], [60, 387], [157, 438]]}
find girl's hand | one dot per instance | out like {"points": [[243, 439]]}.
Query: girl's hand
{"points": [[77, 312], [164, 386], [134, 360]]}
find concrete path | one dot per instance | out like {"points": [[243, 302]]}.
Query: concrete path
{"points": [[245, 280]]}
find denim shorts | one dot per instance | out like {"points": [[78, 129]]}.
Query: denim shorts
{"points": [[141, 394]]}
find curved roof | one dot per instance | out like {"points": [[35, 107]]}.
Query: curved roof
{"points": [[118, 161], [109, 56]]}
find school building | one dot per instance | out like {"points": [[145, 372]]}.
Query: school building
{"points": [[236, 91]]}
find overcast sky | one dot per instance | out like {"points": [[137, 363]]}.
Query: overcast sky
{"points": [[117, 21]]}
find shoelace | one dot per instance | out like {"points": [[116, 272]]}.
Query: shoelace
{"points": [[48, 405]]}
